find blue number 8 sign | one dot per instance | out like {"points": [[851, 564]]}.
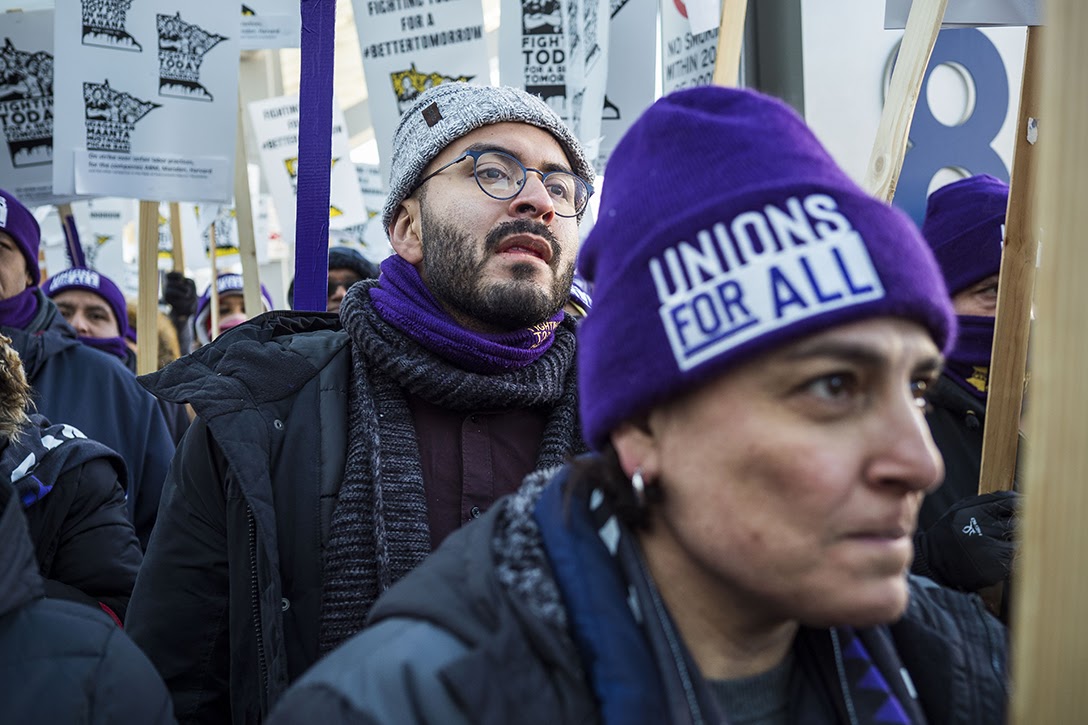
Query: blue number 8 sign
{"points": [[966, 146]]}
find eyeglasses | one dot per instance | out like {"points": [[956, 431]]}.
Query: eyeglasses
{"points": [[501, 176]]}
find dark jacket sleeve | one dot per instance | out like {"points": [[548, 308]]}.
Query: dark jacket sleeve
{"points": [[179, 610], [97, 555], [388, 673], [127, 688], [151, 472]]}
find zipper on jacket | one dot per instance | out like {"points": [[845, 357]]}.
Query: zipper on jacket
{"points": [[840, 667], [262, 667]]}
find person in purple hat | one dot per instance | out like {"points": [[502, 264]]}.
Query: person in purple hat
{"points": [[752, 377], [95, 308], [72, 383], [964, 540], [232, 307], [333, 452]]}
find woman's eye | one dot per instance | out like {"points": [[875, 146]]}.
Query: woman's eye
{"points": [[833, 387]]}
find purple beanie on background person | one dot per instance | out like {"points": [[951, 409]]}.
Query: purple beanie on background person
{"points": [[18, 223], [963, 227], [725, 230], [81, 278]]}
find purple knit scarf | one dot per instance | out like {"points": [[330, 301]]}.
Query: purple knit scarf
{"points": [[19, 310], [113, 345], [969, 362], [403, 300]]}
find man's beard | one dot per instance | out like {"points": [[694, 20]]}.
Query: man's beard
{"points": [[453, 273]]}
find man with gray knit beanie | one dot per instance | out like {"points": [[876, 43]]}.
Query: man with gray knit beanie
{"points": [[332, 454]]}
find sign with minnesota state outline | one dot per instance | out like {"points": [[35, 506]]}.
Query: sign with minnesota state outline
{"points": [[146, 99]]}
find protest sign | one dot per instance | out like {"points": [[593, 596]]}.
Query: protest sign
{"points": [[146, 99], [533, 52], [275, 129], [630, 88], [409, 46], [26, 107], [687, 58], [270, 24]]}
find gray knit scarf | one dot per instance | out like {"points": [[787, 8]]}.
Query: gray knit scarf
{"points": [[379, 529]]}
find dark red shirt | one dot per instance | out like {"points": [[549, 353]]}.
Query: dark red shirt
{"points": [[470, 459]]}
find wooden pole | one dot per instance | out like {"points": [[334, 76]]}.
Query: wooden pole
{"points": [[1050, 632], [1016, 285], [147, 306], [213, 294], [243, 212], [175, 237], [730, 42], [890, 147]]}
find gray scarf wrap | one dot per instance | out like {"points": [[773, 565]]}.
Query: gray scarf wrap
{"points": [[379, 529]]}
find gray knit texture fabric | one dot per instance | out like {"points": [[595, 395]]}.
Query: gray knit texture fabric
{"points": [[461, 108], [379, 530]]}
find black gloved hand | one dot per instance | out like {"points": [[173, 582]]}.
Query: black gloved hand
{"points": [[971, 546], [180, 293]]}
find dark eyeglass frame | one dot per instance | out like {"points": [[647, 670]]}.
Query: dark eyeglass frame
{"points": [[475, 155]]}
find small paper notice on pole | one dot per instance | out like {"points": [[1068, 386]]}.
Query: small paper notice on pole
{"points": [[704, 15], [971, 13]]}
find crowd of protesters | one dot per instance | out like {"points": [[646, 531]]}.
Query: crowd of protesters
{"points": [[687, 470]]}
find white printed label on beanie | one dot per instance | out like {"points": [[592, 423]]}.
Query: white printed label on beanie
{"points": [[3, 212], [764, 270], [78, 276]]}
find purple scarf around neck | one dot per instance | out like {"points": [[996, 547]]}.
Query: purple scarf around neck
{"points": [[19, 310], [403, 300], [113, 345], [969, 362]]}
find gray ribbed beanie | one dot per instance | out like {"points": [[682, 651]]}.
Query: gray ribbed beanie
{"points": [[446, 112]]}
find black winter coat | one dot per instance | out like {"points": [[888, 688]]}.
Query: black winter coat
{"points": [[228, 600], [93, 391], [62, 662], [86, 548], [452, 643]]}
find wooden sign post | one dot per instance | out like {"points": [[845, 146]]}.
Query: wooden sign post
{"points": [[175, 237], [730, 43], [1050, 633], [213, 290], [1015, 287], [890, 147], [147, 307], [243, 213]]}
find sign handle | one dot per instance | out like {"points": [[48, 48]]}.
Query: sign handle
{"points": [[147, 306], [1016, 283], [72, 245], [175, 237], [243, 213], [730, 43], [890, 147], [213, 294]]}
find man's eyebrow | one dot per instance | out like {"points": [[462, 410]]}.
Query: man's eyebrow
{"points": [[546, 167]]}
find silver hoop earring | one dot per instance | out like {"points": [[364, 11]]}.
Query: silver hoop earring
{"points": [[639, 487]]}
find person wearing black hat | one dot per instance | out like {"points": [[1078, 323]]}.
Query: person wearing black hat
{"points": [[73, 383], [346, 267]]}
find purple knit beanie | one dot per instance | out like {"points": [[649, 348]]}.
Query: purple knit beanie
{"points": [[82, 278], [725, 230], [227, 283], [963, 226], [17, 221]]}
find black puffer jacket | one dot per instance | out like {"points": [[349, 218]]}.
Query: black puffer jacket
{"points": [[470, 636], [228, 599], [86, 548], [62, 662]]}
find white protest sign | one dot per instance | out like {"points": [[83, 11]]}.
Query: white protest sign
{"points": [[630, 88], [270, 24], [533, 53], [687, 59], [101, 224], [704, 15], [971, 13], [587, 49], [275, 127], [146, 99], [409, 46], [374, 239], [26, 107]]}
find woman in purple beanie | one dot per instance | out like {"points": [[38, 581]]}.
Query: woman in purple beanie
{"points": [[95, 308], [752, 376]]}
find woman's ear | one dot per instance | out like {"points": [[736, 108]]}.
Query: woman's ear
{"points": [[405, 234], [637, 449]]}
